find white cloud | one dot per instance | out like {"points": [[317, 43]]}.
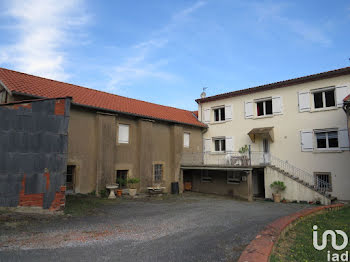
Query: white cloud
{"points": [[273, 12], [139, 64], [42, 29]]}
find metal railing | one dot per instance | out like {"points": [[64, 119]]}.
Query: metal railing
{"points": [[253, 158]]}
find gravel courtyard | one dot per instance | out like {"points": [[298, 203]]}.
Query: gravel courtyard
{"points": [[194, 227]]}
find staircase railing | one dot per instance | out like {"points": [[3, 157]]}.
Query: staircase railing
{"points": [[300, 174]]}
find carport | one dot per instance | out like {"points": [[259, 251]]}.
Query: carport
{"points": [[232, 181]]}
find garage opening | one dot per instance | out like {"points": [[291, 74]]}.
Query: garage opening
{"points": [[188, 180]]}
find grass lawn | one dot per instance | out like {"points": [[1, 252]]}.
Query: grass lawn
{"points": [[80, 205], [297, 245]]}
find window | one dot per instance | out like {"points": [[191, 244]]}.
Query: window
{"points": [[233, 177], [326, 139], [158, 172], [324, 99], [121, 178], [220, 145], [219, 114], [123, 134], [70, 177], [3, 95], [264, 108], [186, 140], [205, 177], [323, 181]]}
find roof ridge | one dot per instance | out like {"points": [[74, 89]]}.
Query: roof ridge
{"points": [[93, 89], [273, 83]]}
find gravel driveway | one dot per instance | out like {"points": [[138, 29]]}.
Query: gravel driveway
{"points": [[194, 227]]}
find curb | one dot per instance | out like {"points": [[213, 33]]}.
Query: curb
{"points": [[260, 248]]}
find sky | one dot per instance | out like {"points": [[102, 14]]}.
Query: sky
{"points": [[166, 51]]}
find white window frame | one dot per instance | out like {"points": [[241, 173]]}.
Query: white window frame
{"points": [[220, 108], [233, 178], [220, 144], [264, 106], [326, 131], [119, 134], [323, 91], [155, 169], [189, 137], [206, 178]]}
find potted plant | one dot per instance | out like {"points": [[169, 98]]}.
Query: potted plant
{"points": [[243, 151], [132, 186], [278, 187], [122, 184]]}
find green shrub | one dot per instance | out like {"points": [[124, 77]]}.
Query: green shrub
{"points": [[278, 186], [243, 149], [104, 193], [132, 181], [121, 182]]}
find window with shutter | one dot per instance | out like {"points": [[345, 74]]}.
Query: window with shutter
{"points": [[186, 140], [248, 109], [304, 101], [306, 140], [341, 93]]}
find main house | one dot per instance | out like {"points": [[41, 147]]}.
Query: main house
{"points": [[294, 131], [112, 137]]}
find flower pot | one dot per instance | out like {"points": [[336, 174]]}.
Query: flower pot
{"points": [[119, 192], [276, 198], [132, 192]]}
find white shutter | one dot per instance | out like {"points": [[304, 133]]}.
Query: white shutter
{"points": [[123, 134], [186, 139], [229, 143], [341, 93], [343, 137], [248, 108], [206, 115], [306, 140], [228, 112], [277, 105], [207, 144], [304, 101]]}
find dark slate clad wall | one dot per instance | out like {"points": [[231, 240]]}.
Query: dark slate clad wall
{"points": [[32, 140]]}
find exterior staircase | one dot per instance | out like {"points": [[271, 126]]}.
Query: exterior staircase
{"points": [[300, 176]]}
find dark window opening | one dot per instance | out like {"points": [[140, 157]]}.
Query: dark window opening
{"points": [[318, 100], [121, 178], [268, 107], [219, 114], [333, 139], [327, 139], [260, 108], [330, 101], [324, 99], [70, 177], [220, 145]]}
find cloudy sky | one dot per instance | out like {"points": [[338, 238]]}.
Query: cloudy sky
{"points": [[166, 51]]}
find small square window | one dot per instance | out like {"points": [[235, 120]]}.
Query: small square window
{"points": [[123, 134], [264, 108], [220, 144], [121, 178], [323, 181]]}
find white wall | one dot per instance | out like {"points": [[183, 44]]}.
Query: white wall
{"points": [[287, 127]]}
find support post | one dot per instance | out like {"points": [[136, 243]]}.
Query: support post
{"points": [[250, 185]]}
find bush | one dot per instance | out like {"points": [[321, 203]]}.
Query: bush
{"points": [[278, 186], [121, 182], [104, 193], [133, 181]]}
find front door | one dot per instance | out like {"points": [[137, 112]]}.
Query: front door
{"points": [[266, 151]]}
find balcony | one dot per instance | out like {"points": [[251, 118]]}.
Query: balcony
{"points": [[227, 159]]}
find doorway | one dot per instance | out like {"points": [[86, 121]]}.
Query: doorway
{"points": [[258, 183], [188, 180], [122, 178], [70, 178], [266, 151]]}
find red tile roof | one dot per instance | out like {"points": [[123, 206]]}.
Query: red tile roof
{"points": [[195, 113], [284, 83], [347, 99], [22, 83]]}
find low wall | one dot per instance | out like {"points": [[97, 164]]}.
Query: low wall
{"points": [[294, 190], [260, 249]]}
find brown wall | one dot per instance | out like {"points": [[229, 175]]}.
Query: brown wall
{"points": [[218, 185], [94, 150]]}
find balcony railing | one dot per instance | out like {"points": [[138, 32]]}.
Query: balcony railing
{"points": [[228, 159]]}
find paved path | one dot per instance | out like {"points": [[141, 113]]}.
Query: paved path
{"points": [[190, 228]]}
